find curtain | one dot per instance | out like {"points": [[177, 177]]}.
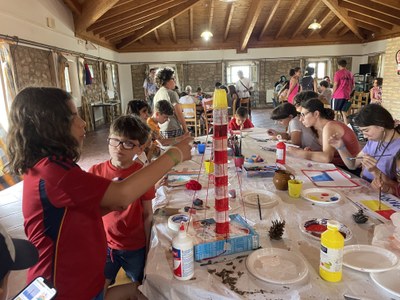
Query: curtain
{"points": [[62, 63], [9, 85]]}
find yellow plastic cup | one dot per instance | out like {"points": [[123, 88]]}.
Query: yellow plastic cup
{"points": [[295, 187], [209, 166]]}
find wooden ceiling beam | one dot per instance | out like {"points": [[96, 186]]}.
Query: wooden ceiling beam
{"points": [[74, 6], [341, 13], [191, 24], [342, 31], [127, 7], [304, 20], [173, 31], [394, 12], [288, 18], [372, 28], [92, 10], [174, 12], [211, 15], [329, 27], [131, 15], [326, 13], [369, 20], [269, 20], [125, 25], [251, 19], [390, 3], [157, 36], [121, 35], [370, 13], [228, 19]]}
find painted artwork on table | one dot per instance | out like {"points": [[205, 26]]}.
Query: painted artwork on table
{"points": [[370, 203], [330, 178]]}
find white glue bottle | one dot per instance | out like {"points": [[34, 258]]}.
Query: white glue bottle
{"points": [[183, 256]]}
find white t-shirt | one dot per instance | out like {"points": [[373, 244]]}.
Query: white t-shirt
{"points": [[308, 138], [166, 94], [187, 112], [241, 90]]}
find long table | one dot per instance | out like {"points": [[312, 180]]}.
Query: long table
{"points": [[207, 282]]}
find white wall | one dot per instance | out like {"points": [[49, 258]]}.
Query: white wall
{"points": [[125, 81]]}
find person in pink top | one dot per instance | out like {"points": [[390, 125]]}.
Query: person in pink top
{"points": [[343, 83], [294, 84], [313, 114]]}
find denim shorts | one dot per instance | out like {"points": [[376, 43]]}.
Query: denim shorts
{"points": [[132, 261]]}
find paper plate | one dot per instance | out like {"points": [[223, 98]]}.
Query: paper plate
{"points": [[389, 281], [276, 265], [267, 199], [178, 180], [367, 258], [320, 226], [321, 196]]}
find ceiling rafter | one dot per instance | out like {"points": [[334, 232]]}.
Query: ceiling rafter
{"points": [[370, 13], [341, 13], [304, 20], [329, 27], [126, 7], [228, 19], [326, 14], [120, 35], [132, 24], [211, 15], [390, 3], [268, 21], [92, 10], [176, 11], [390, 11], [132, 15], [251, 19], [173, 31], [342, 31], [369, 27], [74, 6], [292, 10], [191, 24], [157, 36], [368, 20]]}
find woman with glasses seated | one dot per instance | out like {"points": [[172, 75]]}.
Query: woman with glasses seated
{"points": [[387, 184], [313, 114], [377, 156]]}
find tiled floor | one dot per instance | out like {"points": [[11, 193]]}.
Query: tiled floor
{"points": [[95, 150]]}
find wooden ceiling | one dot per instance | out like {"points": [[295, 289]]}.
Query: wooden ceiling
{"points": [[176, 25]]}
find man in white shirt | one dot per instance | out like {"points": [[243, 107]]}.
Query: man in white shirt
{"points": [[244, 88], [150, 87]]}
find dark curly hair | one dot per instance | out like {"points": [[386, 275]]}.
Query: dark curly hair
{"points": [[40, 126], [375, 114], [131, 127], [134, 106], [283, 111], [315, 104], [164, 75]]}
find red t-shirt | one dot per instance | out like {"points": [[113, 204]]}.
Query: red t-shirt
{"points": [[124, 229], [234, 126], [62, 218]]}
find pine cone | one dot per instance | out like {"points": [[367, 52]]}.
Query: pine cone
{"points": [[277, 229], [359, 217]]}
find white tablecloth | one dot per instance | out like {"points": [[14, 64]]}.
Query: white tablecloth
{"points": [[160, 284]]}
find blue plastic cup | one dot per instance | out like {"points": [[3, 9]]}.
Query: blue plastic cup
{"points": [[201, 148]]}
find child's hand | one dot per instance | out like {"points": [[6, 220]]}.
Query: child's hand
{"points": [[369, 163], [377, 183], [186, 147], [272, 132], [161, 182]]}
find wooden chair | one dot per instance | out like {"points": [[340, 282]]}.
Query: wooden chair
{"points": [[208, 114], [358, 101], [189, 112], [246, 102]]}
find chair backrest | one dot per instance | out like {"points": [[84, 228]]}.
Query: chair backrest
{"points": [[189, 110], [208, 113]]}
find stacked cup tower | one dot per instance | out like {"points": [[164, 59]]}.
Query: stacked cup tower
{"points": [[220, 146]]}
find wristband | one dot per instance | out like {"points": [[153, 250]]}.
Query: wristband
{"points": [[173, 157], [341, 147]]}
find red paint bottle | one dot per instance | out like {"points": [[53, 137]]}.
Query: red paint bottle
{"points": [[281, 153]]}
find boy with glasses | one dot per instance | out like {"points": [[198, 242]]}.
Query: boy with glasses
{"points": [[127, 231]]}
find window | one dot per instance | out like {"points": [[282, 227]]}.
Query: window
{"points": [[320, 69], [249, 71], [67, 79], [5, 93]]}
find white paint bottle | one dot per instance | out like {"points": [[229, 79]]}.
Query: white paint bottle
{"points": [[183, 256]]}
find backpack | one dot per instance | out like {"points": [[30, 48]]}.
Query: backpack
{"points": [[307, 83]]}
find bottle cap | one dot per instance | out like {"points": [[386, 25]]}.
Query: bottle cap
{"points": [[333, 224]]}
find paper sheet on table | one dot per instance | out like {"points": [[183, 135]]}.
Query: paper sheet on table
{"points": [[260, 137], [330, 178]]}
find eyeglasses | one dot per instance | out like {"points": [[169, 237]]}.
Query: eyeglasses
{"points": [[127, 145], [398, 172], [304, 114]]}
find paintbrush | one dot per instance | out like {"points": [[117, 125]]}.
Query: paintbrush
{"points": [[380, 190], [259, 206], [361, 157]]}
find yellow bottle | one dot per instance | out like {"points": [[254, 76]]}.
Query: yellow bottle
{"points": [[331, 259]]}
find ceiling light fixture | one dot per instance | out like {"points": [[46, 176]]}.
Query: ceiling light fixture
{"points": [[206, 35], [314, 25]]}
